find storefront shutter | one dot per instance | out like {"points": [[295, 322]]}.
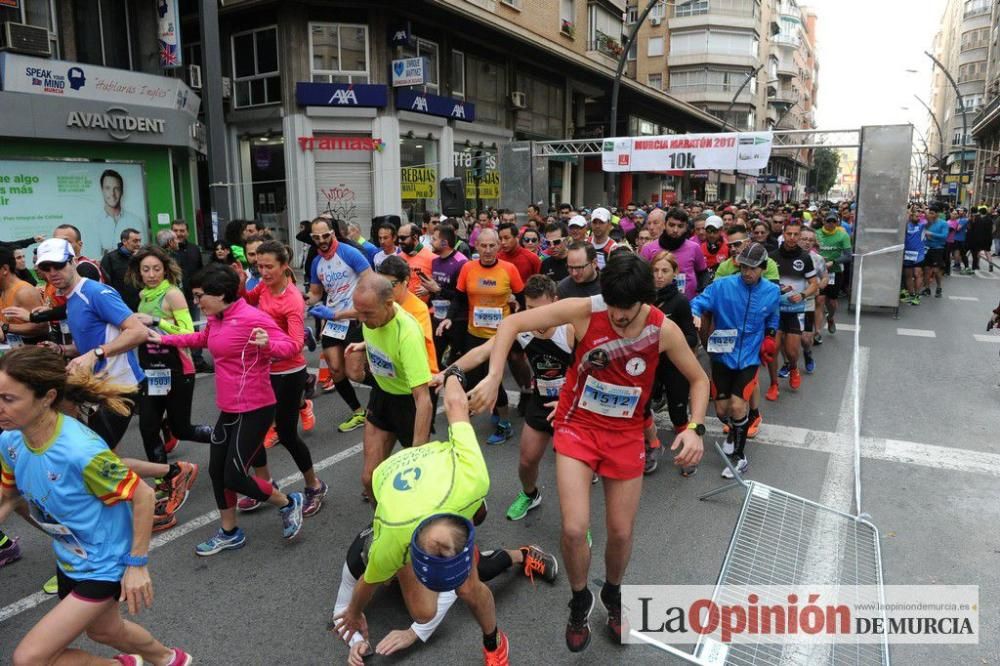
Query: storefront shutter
{"points": [[345, 189]]}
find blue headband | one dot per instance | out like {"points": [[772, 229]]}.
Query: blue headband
{"points": [[443, 574]]}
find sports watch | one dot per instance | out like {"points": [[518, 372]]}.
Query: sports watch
{"points": [[699, 428], [99, 353]]}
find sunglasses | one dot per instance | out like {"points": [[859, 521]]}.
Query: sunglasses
{"points": [[735, 243], [555, 241], [402, 238], [51, 266], [530, 240], [319, 237]]}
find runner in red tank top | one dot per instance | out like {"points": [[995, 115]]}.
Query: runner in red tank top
{"points": [[599, 421]]}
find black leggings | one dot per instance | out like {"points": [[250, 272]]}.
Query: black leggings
{"points": [[177, 405], [111, 426], [288, 390], [235, 442], [675, 388], [477, 375]]}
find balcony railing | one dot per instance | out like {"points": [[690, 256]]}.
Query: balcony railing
{"points": [[790, 40], [746, 8], [730, 88], [605, 44]]}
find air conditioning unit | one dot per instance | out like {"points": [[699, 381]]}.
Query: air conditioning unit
{"points": [[22, 38], [227, 87], [518, 100], [655, 21], [194, 76]]}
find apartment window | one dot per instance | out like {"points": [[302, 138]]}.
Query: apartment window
{"points": [[655, 81], [975, 7], [457, 74], [486, 86], [631, 14], [956, 139], [103, 31], [654, 47], [714, 41], [429, 50], [659, 10], [256, 80], [711, 80], [633, 49], [339, 52], [691, 8], [772, 68], [605, 29], [39, 13], [567, 17], [546, 110], [972, 102]]}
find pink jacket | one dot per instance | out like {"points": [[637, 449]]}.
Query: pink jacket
{"points": [[242, 370]]}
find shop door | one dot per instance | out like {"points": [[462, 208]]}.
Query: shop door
{"points": [[345, 190]]}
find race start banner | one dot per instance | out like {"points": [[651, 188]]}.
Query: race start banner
{"points": [[736, 151]]}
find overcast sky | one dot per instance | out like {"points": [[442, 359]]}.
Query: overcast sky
{"points": [[864, 48]]}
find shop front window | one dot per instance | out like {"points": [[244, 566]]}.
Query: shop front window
{"points": [[418, 159], [267, 186], [470, 160]]}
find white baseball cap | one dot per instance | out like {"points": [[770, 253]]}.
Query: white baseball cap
{"points": [[602, 214], [713, 221], [577, 221], [54, 250]]}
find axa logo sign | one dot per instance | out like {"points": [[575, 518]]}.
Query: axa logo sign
{"points": [[458, 111], [344, 97], [419, 104]]}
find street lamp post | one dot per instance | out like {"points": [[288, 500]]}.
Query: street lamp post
{"points": [[965, 127], [732, 103], [937, 125]]}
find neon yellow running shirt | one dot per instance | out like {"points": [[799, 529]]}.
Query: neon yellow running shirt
{"points": [[412, 484]]}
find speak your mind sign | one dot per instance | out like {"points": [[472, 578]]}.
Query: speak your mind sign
{"points": [[688, 152], [36, 196]]}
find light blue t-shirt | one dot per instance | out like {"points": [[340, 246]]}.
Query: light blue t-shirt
{"points": [[94, 313], [77, 491], [338, 275]]}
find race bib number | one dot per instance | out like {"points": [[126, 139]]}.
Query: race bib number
{"points": [[62, 535], [601, 260], [440, 308], [833, 278], [15, 340], [380, 363], [722, 341], [911, 255], [681, 280], [549, 388], [609, 399], [64, 327], [483, 317], [336, 329], [158, 381]]}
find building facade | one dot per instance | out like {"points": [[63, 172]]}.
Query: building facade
{"points": [[985, 126]]}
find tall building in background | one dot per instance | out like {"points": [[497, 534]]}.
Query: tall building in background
{"points": [[962, 46], [985, 126]]}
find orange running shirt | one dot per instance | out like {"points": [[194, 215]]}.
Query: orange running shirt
{"points": [[489, 291], [419, 311]]}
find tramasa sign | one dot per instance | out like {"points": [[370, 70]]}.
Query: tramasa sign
{"points": [[340, 143]]}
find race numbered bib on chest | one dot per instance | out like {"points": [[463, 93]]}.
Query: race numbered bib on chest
{"points": [[15, 340], [722, 341], [833, 278], [483, 317], [609, 399], [601, 260], [62, 535], [440, 308], [337, 329], [681, 280], [157, 381], [549, 388], [910, 255], [380, 363]]}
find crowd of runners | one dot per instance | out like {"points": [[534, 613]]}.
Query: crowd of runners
{"points": [[599, 319]]}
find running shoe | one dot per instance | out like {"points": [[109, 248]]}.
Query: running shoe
{"points": [[772, 392], [353, 422], [537, 561], [754, 427], [651, 460], [307, 416], [689, 471], [500, 656], [51, 586], [169, 441], [904, 295], [926, 291], [784, 370], [314, 499], [831, 326], [10, 553], [220, 542], [503, 432], [794, 380], [310, 339], [248, 504], [521, 505], [179, 487], [741, 466], [728, 446], [810, 365], [328, 386], [310, 390], [817, 339], [968, 271], [291, 516], [180, 658], [915, 300], [161, 519], [271, 438], [578, 627], [129, 659], [614, 609], [937, 293]]}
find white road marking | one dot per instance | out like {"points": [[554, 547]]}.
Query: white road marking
{"points": [[916, 332], [845, 327], [979, 337], [963, 298], [955, 274], [986, 275]]}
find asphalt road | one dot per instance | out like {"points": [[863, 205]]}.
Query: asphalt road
{"points": [[930, 473]]}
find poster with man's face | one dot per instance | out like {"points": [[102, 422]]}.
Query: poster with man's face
{"points": [[101, 199]]}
